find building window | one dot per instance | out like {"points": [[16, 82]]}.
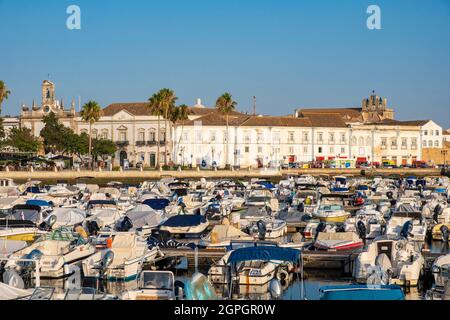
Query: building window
{"points": [[212, 136], [394, 143], [260, 149], [260, 137], [320, 149], [104, 134], [331, 150], [291, 150], [123, 136], [141, 136], [320, 137], [305, 137], [425, 133], [404, 143], [436, 143], [305, 149], [198, 136], [331, 137], [430, 144], [354, 141], [152, 136], [342, 150], [425, 143], [343, 138], [437, 132], [247, 149], [276, 137], [383, 143], [291, 136]]}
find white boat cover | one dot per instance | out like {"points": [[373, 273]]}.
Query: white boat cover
{"points": [[106, 217], [222, 233], [11, 293], [124, 241], [67, 217], [143, 215]]}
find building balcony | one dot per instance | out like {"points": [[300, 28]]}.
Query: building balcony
{"points": [[140, 143], [154, 143], [122, 144]]}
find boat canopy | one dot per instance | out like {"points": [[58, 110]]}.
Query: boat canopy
{"points": [[185, 221], [157, 204], [39, 203], [266, 184], [101, 202], [265, 253]]}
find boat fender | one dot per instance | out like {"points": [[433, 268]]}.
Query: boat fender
{"points": [[275, 288], [283, 276], [13, 279], [444, 232]]}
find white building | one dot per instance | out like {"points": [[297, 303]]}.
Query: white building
{"points": [[368, 133]]}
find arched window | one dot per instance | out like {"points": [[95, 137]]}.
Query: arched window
{"points": [[105, 134], [361, 141], [354, 141]]}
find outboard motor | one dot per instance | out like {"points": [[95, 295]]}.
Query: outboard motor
{"points": [[436, 212], [390, 195], [301, 207], [406, 230], [213, 212], [362, 230], [125, 225], [262, 229], [106, 261], [320, 228], [48, 225], [92, 227]]}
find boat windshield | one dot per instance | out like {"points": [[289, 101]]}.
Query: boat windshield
{"points": [[26, 214], [330, 207], [157, 280]]}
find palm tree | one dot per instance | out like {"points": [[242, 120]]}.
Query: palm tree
{"points": [[167, 104], [4, 94], [226, 105], [91, 113], [155, 109]]}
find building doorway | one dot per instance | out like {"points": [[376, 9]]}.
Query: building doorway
{"points": [[123, 157], [152, 160]]}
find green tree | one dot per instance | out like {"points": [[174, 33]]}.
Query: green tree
{"points": [[103, 147], [4, 94], [91, 113], [54, 134], [226, 105], [23, 139]]}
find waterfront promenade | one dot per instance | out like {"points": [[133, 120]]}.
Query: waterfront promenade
{"points": [[197, 174]]}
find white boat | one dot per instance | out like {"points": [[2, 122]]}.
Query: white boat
{"points": [[122, 261], [397, 258], [55, 252], [338, 241], [441, 274], [222, 236], [398, 220], [331, 213], [262, 198], [153, 285], [185, 225], [373, 223]]}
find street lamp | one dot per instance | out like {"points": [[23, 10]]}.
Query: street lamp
{"points": [[444, 153]]}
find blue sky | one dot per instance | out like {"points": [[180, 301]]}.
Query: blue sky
{"points": [[290, 54]]}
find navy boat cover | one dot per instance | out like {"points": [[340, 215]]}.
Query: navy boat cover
{"points": [[157, 204], [264, 253], [184, 221]]}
